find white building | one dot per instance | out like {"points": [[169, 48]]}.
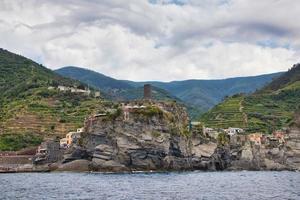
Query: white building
{"points": [[80, 130], [233, 131], [97, 94], [63, 88]]}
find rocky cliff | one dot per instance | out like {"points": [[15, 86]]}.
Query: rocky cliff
{"points": [[153, 136], [156, 136], [276, 156]]}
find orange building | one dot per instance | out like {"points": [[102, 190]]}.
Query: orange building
{"points": [[255, 138], [279, 135]]}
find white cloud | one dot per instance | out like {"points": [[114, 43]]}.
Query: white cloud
{"points": [[139, 40]]}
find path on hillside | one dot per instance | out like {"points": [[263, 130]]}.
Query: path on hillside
{"points": [[241, 109]]}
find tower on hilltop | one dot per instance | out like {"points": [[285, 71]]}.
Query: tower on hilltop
{"points": [[147, 91]]}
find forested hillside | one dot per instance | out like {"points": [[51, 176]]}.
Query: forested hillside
{"points": [[200, 95]]}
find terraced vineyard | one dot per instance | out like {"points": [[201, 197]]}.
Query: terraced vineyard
{"points": [[263, 111], [29, 107], [55, 115], [227, 114]]}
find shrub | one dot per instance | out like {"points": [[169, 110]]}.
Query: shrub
{"points": [[150, 111], [155, 134], [15, 142], [222, 139]]}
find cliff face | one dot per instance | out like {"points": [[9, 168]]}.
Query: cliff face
{"points": [[277, 156], [140, 141], [152, 138], [155, 136]]}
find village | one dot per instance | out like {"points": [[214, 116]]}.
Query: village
{"points": [[234, 134], [51, 150], [240, 136]]}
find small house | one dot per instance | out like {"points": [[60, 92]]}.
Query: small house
{"points": [[279, 135], [232, 131], [255, 138], [72, 137], [97, 94]]}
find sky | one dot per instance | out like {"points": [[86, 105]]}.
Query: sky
{"points": [[161, 40]]}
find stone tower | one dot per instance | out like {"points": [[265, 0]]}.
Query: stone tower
{"points": [[147, 91]]}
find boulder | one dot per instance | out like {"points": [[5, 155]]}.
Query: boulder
{"points": [[272, 165], [204, 150], [76, 165]]}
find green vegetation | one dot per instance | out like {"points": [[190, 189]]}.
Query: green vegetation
{"points": [[288, 78], [28, 105], [15, 142], [150, 111], [266, 110], [226, 114], [114, 114], [155, 134], [197, 95], [223, 139]]}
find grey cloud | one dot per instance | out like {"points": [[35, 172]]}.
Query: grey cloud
{"points": [[162, 40]]}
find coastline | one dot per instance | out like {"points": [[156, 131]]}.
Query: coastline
{"points": [[47, 169]]}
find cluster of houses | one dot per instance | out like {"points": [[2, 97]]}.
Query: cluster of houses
{"points": [[238, 134], [86, 91], [71, 138], [278, 137]]}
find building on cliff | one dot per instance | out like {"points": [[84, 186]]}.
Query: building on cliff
{"points": [[233, 131], [255, 138], [71, 138]]}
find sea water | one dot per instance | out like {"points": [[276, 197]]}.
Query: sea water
{"points": [[185, 185]]}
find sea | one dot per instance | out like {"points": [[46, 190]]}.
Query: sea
{"points": [[249, 185]]}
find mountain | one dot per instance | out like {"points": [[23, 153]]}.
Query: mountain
{"points": [[272, 107], [204, 94], [199, 94], [31, 105], [93, 78], [115, 89]]}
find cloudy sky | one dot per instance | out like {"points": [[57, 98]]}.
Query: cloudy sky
{"points": [[156, 39]]}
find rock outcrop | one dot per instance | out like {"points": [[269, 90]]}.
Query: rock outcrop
{"points": [[151, 138], [155, 136]]}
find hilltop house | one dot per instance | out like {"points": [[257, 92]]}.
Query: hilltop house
{"points": [[73, 90], [63, 88], [97, 94]]}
